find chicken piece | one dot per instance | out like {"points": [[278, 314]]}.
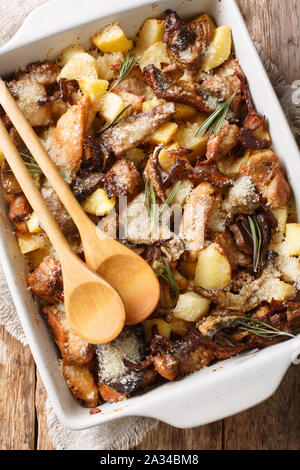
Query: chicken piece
{"points": [[110, 394], [19, 212], [179, 91], [187, 43], [136, 129], [59, 212], [263, 167], [227, 81], [73, 349], [66, 141], [235, 257], [195, 360], [167, 365], [45, 73], [195, 216], [123, 179], [46, 281], [218, 147], [30, 96], [130, 98], [81, 382]]}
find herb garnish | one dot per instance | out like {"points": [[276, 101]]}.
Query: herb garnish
{"points": [[114, 120], [167, 274], [126, 68], [32, 166], [151, 206], [259, 328], [215, 121], [256, 236]]}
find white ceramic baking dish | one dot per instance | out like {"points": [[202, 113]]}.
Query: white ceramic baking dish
{"points": [[217, 391]]}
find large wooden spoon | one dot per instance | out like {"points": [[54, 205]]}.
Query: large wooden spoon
{"points": [[94, 309], [133, 278]]}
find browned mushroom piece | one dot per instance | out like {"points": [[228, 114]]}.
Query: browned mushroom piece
{"points": [[179, 91], [46, 280], [208, 171], [187, 43], [136, 129], [83, 186]]}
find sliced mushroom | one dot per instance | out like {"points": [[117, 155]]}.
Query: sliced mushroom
{"points": [[136, 129], [186, 43], [208, 171], [179, 91]]}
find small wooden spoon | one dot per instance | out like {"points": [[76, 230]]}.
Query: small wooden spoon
{"points": [[133, 278], [94, 309]]}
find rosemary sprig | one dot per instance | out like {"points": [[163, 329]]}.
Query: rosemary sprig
{"points": [[169, 198], [114, 120], [151, 205], [32, 166], [257, 241], [167, 274], [126, 67], [215, 121], [259, 328]]}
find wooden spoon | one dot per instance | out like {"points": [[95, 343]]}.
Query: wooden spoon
{"points": [[133, 278], [94, 309]]}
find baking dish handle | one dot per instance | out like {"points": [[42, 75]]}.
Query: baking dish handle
{"points": [[71, 14], [232, 386]]}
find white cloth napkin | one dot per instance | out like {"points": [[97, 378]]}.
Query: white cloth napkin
{"points": [[127, 432]]}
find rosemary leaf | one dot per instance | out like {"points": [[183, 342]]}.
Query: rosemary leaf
{"points": [[215, 121], [126, 68], [259, 328], [167, 275], [114, 120], [255, 243], [169, 198]]}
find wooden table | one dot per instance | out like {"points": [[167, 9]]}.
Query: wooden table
{"points": [[274, 424]]}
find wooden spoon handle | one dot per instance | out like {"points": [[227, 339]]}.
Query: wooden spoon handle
{"points": [[41, 156], [33, 195]]}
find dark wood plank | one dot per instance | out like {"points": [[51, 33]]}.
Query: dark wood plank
{"points": [[275, 424], [43, 438], [17, 395], [275, 25], [201, 438]]}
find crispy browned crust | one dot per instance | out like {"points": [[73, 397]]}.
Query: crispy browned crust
{"points": [[123, 179], [136, 129], [179, 91], [209, 171], [19, 211], [46, 281]]}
